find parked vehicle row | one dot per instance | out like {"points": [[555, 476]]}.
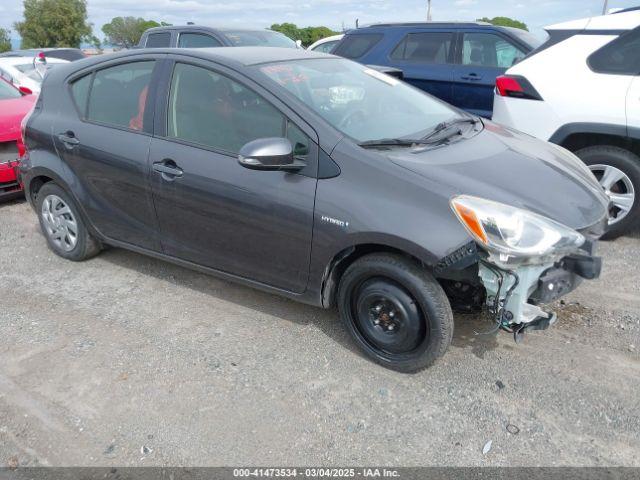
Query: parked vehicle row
{"points": [[317, 178], [23, 71], [14, 105], [581, 90]]}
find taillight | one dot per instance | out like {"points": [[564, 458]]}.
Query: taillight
{"points": [[517, 87]]}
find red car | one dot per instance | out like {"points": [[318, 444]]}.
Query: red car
{"points": [[14, 105]]}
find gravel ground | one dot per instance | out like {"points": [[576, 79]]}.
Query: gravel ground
{"points": [[126, 360]]}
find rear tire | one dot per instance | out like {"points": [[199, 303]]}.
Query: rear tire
{"points": [[63, 226], [396, 311], [617, 161]]}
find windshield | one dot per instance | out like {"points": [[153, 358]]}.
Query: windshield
{"points": [[360, 102], [30, 71], [7, 91], [259, 38], [527, 37]]}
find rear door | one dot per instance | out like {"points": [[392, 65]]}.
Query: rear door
{"points": [[426, 59], [105, 140], [482, 57], [211, 210]]}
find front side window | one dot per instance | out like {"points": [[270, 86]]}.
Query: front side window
{"points": [[356, 45], [7, 91], [197, 40], [619, 57], [358, 101], [159, 40], [119, 94], [489, 50], [428, 47], [212, 110]]}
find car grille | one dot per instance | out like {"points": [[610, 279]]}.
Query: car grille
{"points": [[8, 152]]}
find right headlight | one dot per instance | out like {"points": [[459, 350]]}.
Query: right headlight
{"points": [[513, 231]]}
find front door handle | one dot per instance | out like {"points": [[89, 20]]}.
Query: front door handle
{"points": [[69, 139], [168, 169], [474, 77]]}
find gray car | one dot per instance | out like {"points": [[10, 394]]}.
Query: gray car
{"points": [[316, 178]]}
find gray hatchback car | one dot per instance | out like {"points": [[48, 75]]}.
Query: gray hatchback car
{"points": [[316, 178]]}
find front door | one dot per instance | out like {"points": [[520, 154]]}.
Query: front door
{"points": [[105, 141], [425, 59], [484, 57], [633, 108], [211, 210]]}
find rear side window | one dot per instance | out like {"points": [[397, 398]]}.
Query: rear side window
{"points": [[197, 40], [326, 47], [159, 40], [7, 91], [119, 94], [80, 93], [427, 47], [356, 45], [489, 50], [212, 110], [619, 57]]}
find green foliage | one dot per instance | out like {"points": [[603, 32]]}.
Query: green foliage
{"points": [[307, 35], [5, 40], [505, 22], [54, 23], [126, 31]]}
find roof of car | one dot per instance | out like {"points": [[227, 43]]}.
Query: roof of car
{"points": [[426, 24], [622, 20], [204, 27]]}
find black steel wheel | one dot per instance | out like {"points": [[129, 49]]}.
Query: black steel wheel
{"points": [[396, 311]]}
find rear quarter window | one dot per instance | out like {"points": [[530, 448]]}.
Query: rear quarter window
{"points": [[80, 93], [158, 40], [426, 47], [619, 57], [356, 45]]}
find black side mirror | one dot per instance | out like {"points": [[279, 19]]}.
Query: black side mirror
{"points": [[269, 154]]}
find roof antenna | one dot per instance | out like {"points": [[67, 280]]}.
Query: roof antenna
{"points": [[357, 21], [428, 10], [190, 23]]}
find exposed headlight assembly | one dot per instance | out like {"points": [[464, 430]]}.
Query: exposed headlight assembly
{"points": [[514, 233]]}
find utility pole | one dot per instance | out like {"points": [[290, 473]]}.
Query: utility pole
{"points": [[604, 8], [428, 10]]}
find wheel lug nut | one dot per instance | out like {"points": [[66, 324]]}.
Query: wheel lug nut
{"points": [[376, 321], [378, 308], [391, 327], [392, 314]]}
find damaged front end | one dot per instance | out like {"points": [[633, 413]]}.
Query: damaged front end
{"points": [[522, 259]]}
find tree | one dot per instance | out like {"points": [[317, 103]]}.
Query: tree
{"points": [[126, 31], [54, 23], [5, 40], [307, 35], [505, 22]]}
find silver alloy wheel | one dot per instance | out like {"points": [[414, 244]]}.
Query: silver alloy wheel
{"points": [[618, 187], [59, 222]]}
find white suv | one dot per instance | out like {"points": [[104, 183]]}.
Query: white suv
{"points": [[581, 90]]}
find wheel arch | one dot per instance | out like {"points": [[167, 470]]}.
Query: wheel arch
{"points": [[341, 260], [576, 136]]}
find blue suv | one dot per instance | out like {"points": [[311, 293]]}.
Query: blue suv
{"points": [[457, 62]]}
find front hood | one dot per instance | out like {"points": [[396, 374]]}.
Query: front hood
{"points": [[11, 114], [513, 168]]}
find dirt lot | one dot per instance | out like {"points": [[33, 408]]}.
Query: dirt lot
{"points": [[126, 360]]}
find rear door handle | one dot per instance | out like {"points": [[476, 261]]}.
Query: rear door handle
{"points": [[69, 139], [474, 77], [168, 169]]}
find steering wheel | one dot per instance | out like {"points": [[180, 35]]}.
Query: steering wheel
{"points": [[352, 117]]}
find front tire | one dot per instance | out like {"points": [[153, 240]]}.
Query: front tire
{"points": [[396, 311], [618, 171], [63, 226]]}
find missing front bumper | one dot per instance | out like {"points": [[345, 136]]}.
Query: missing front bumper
{"points": [[514, 295]]}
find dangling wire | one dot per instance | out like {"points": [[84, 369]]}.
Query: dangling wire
{"points": [[497, 310]]}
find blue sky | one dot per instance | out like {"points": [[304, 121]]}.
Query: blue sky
{"points": [[333, 13]]}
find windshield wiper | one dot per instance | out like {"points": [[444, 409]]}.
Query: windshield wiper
{"points": [[443, 126], [393, 142], [426, 140]]}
